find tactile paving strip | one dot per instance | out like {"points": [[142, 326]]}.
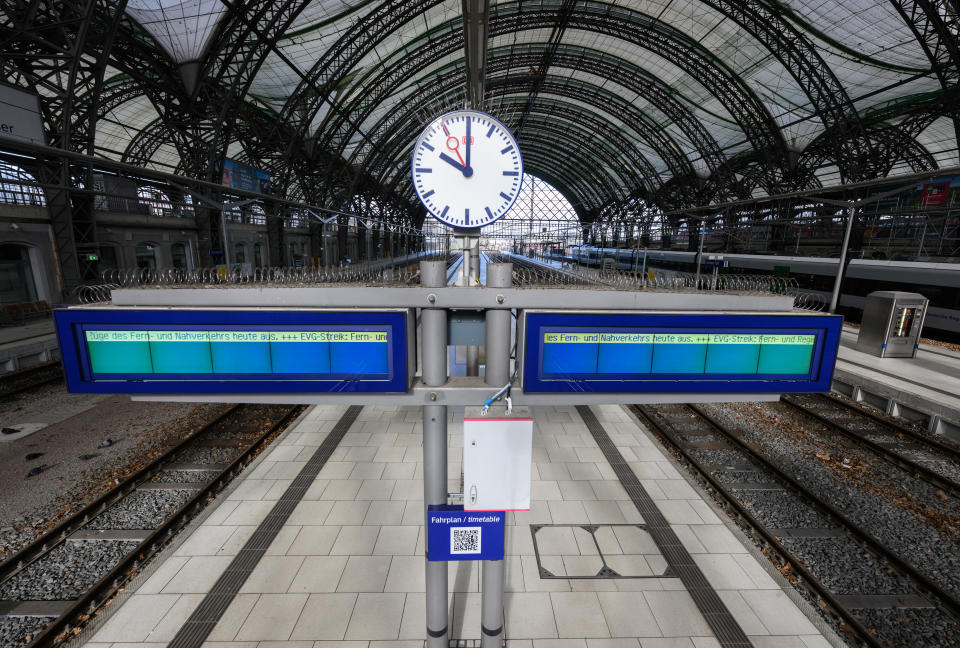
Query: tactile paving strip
{"points": [[725, 628], [200, 624]]}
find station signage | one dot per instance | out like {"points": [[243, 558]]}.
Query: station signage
{"points": [[231, 351], [20, 115], [455, 534], [664, 353]]}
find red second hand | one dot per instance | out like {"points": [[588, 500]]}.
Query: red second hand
{"points": [[455, 148]]}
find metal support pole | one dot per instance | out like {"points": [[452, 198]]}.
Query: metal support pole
{"points": [[643, 270], [841, 268], [499, 275], [465, 266], [473, 279], [434, 336], [700, 252], [226, 240]]}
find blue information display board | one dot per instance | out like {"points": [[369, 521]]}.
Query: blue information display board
{"points": [[455, 534], [633, 352], [153, 351]]}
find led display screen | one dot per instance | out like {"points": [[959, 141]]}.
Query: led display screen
{"points": [[218, 351], [616, 352], [249, 352]]}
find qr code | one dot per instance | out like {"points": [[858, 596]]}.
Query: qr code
{"points": [[465, 540]]}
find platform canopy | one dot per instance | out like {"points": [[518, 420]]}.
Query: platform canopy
{"points": [[664, 102]]}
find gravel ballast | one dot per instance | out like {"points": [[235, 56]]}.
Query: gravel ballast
{"points": [[779, 510], [66, 572], [79, 424], [19, 631], [209, 455], [183, 476], [742, 477], [898, 509], [142, 510], [720, 458], [916, 628], [845, 567]]}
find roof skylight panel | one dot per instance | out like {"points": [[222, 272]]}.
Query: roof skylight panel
{"points": [[165, 158], [940, 139], [869, 27], [183, 27], [320, 12], [692, 17], [124, 123], [800, 134]]}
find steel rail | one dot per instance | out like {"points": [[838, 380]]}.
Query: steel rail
{"points": [[923, 583], [13, 376], [760, 532], [110, 583], [46, 542], [945, 447], [918, 470]]}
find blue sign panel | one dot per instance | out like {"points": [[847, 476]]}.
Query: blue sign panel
{"points": [[222, 352], [455, 534], [244, 177], [674, 353]]}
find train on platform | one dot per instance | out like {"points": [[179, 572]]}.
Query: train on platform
{"points": [[937, 281]]}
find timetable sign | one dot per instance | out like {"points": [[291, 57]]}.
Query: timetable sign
{"points": [[722, 353], [455, 534], [150, 351]]}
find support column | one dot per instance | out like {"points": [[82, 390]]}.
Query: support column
{"points": [[275, 242], [499, 275], [433, 322], [471, 274], [842, 265]]}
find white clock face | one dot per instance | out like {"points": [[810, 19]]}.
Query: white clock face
{"points": [[467, 169]]}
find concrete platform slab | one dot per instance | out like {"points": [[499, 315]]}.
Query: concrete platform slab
{"points": [[348, 566]]}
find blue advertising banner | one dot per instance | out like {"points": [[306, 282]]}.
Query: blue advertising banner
{"points": [[241, 176], [453, 534]]}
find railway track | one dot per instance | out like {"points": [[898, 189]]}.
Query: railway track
{"points": [[920, 454], [872, 595], [16, 382], [54, 585]]}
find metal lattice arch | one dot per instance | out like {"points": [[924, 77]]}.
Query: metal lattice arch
{"points": [[669, 104]]}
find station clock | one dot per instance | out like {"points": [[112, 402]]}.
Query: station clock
{"points": [[467, 169]]}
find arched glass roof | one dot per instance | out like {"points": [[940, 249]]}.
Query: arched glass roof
{"points": [[676, 102]]}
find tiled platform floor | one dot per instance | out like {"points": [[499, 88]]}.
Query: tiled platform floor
{"points": [[347, 569]]}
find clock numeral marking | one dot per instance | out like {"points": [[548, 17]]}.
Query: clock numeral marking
{"points": [[423, 170], [428, 194], [492, 128], [444, 212], [511, 173], [504, 196], [466, 216], [489, 214], [506, 150], [427, 146]]}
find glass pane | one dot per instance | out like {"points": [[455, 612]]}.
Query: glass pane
{"points": [[146, 256], [178, 251], [108, 258], [904, 322], [16, 278]]}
